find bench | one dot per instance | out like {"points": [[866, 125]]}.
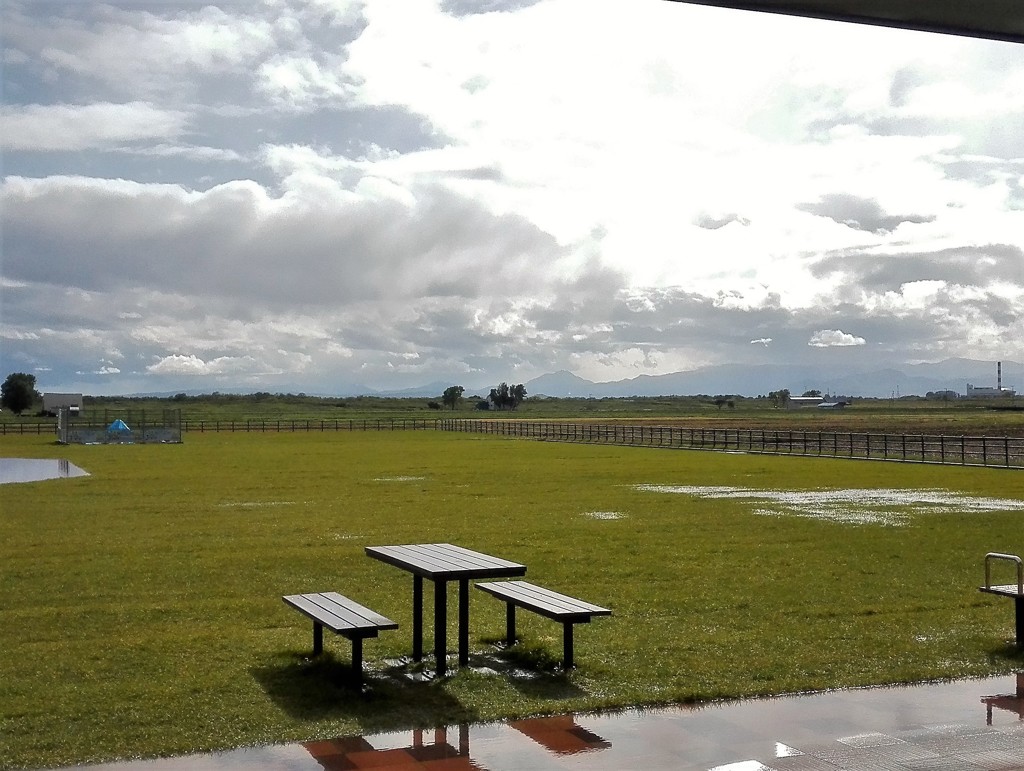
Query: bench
{"points": [[1014, 591], [342, 616], [560, 607]]}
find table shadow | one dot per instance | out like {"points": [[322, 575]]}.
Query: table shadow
{"points": [[321, 687]]}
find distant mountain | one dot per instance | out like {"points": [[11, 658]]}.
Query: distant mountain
{"points": [[560, 383], [723, 379], [747, 380], [431, 390]]}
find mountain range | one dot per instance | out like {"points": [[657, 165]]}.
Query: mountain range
{"points": [[725, 380], [748, 380]]}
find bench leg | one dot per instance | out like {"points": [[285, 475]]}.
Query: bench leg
{"points": [[567, 645], [357, 661], [510, 624], [1018, 603], [318, 638]]}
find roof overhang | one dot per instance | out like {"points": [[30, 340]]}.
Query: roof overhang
{"points": [[991, 19]]}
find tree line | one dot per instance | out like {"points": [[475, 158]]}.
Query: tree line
{"points": [[500, 398]]}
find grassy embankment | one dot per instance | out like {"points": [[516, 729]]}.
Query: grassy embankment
{"points": [[140, 609]]}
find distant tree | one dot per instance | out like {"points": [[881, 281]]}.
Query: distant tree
{"points": [[433, 405], [505, 396], [453, 395], [720, 402], [499, 396], [779, 398], [518, 394], [483, 404], [812, 392], [18, 392]]}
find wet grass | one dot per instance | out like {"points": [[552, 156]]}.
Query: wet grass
{"points": [[140, 609]]}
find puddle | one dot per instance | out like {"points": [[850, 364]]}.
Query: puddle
{"points": [[255, 504], [603, 514], [887, 507], [37, 470], [948, 725]]}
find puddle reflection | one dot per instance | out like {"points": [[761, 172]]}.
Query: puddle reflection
{"points": [[932, 725], [362, 752], [1011, 702], [449, 748], [36, 470], [561, 735]]}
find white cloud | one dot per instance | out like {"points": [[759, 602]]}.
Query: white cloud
{"points": [[192, 365], [290, 192], [69, 128], [834, 338]]}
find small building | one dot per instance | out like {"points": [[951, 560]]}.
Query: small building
{"points": [[796, 402], [53, 403], [987, 392]]}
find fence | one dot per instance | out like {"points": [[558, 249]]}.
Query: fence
{"points": [[990, 451], [996, 451], [124, 427], [288, 425], [231, 426]]}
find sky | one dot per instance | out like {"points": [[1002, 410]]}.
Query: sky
{"points": [[320, 195]]}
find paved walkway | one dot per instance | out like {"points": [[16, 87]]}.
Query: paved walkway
{"points": [[968, 725]]}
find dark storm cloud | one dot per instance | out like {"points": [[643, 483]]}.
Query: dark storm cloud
{"points": [[235, 242], [860, 213], [965, 266]]}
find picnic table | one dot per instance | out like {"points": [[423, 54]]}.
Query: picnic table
{"points": [[441, 563]]}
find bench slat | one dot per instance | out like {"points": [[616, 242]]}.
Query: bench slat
{"points": [[339, 613], [543, 601], [1005, 590]]}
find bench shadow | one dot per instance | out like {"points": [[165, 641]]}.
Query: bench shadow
{"points": [[531, 669], [322, 687]]}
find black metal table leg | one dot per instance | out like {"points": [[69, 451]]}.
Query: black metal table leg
{"points": [[417, 618], [463, 622], [440, 625]]}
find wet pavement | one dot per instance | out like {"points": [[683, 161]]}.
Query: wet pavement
{"points": [[967, 725]]}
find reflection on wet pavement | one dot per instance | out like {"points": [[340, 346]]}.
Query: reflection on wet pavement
{"points": [[36, 470], [967, 725]]}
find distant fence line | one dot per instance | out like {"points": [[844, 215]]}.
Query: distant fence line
{"points": [[988, 451], [991, 451], [288, 425], [243, 426]]}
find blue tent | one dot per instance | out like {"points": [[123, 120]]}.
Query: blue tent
{"points": [[118, 426]]}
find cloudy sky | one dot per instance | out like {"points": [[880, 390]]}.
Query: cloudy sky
{"points": [[301, 195]]}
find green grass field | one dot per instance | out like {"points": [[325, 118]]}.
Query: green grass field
{"points": [[141, 612]]}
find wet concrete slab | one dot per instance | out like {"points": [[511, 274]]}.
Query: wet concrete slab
{"points": [[37, 470], [966, 725]]}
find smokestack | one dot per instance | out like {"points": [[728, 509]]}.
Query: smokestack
{"points": [[999, 376]]}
